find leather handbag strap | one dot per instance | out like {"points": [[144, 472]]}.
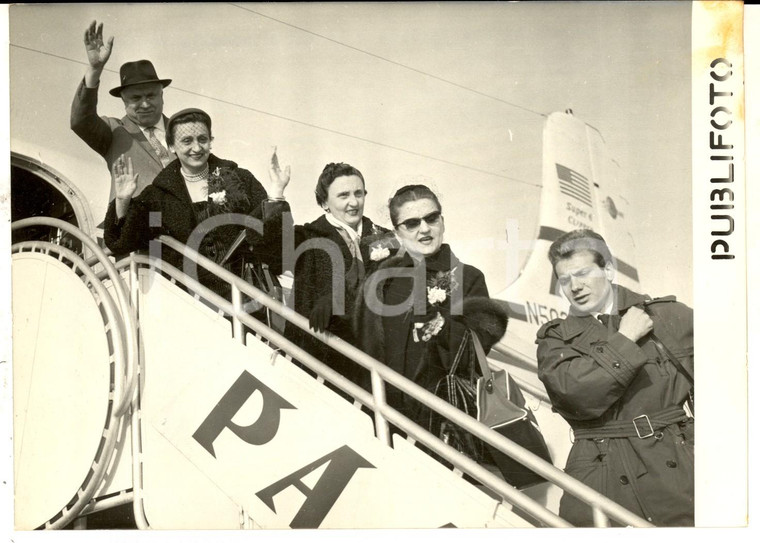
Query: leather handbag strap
{"points": [[460, 353], [268, 278], [233, 247], [482, 360]]}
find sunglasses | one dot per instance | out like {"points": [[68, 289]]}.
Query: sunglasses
{"points": [[413, 224]]}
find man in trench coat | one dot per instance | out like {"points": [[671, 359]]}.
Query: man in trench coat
{"points": [[619, 368]]}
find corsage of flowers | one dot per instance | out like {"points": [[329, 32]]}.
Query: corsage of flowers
{"points": [[219, 198], [439, 288], [226, 193], [381, 242], [379, 253]]}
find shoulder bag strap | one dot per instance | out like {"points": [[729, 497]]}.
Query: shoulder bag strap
{"points": [[667, 353], [460, 353], [482, 361]]}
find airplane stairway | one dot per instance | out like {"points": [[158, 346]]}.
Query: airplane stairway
{"points": [[138, 386]]}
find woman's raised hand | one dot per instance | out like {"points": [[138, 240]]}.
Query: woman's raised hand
{"points": [[278, 178], [124, 178]]}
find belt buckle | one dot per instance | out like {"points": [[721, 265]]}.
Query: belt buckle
{"points": [[636, 426]]}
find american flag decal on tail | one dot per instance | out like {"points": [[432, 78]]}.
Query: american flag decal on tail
{"points": [[573, 184]]}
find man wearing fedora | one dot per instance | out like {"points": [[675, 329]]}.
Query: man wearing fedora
{"points": [[140, 134]]}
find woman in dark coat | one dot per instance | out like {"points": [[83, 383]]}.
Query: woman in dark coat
{"points": [[329, 257], [418, 315], [195, 187]]}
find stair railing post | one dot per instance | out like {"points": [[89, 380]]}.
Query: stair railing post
{"points": [[378, 393], [237, 304]]}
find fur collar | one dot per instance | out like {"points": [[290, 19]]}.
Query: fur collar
{"points": [[486, 317], [443, 260]]}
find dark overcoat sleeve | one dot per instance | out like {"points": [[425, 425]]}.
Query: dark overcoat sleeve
{"points": [[277, 221], [133, 231], [255, 191], [584, 367], [86, 123]]}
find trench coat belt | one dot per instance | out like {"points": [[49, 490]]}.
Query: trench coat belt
{"points": [[642, 426]]}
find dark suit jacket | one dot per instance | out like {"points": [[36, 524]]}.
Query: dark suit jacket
{"points": [[111, 137]]}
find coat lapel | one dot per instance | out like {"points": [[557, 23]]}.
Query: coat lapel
{"points": [[170, 180], [327, 230], [134, 130]]}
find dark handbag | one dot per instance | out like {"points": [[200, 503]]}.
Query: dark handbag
{"points": [[501, 407], [459, 391], [258, 274]]}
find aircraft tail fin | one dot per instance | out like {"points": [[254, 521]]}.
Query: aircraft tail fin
{"points": [[581, 188]]}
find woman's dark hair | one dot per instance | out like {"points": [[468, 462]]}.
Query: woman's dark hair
{"points": [[190, 115], [331, 172], [410, 193], [580, 240]]}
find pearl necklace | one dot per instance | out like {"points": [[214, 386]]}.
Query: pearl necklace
{"points": [[195, 177]]}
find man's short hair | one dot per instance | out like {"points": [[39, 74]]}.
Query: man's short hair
{"points": [[580, 240]]}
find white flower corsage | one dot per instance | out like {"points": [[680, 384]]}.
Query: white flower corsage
{"points": [[425, 331], [379, 253], [436, 295], [218, 197]]}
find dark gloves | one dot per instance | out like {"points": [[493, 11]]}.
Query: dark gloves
{"points": [[321, 313]]}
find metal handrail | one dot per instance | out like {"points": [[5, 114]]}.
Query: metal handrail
{"points": [[114, 317], [128, 317], [138, 506], [461, 461], [600, 504], [105, 452]]}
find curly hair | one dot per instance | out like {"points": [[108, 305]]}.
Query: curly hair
{"points": [[329, 174]]}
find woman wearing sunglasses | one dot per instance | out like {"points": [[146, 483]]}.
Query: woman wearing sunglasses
{"points": [[420, 303]]}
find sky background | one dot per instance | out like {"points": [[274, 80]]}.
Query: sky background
{"points": [[452, 94]]}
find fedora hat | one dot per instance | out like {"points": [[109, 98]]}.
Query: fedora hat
{"points": [[135, 73]]}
